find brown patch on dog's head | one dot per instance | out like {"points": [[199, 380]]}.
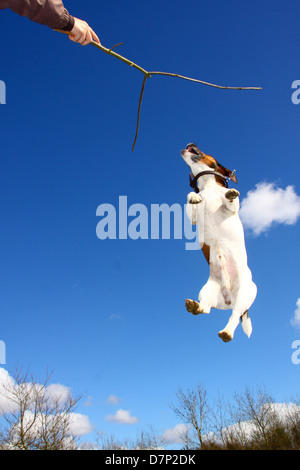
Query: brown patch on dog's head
{"points": [[211, 162], [228, 173]]}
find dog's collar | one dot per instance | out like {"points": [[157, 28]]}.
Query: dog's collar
{"points": [[193, 181]]}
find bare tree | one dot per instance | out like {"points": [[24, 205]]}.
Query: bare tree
{"points": [[261, 423], [293, 419], [221, 421], [193, 409], [105, 442], [256, 409], [252, 421], [34, 418], [148, 440]]}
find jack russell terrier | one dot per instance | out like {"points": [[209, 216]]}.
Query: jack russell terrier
{"points": [[215, 208]]}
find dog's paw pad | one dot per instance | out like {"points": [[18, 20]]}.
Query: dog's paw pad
{"points": [[225, 336], [193, 306], [232, 194], [193, 198]]}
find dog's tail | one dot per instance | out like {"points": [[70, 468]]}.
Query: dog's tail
{"points": [[246, 323]]}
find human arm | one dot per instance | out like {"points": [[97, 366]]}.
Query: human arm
{"points": [[53, 14]]}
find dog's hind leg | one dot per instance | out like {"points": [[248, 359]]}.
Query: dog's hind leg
{"points": [[208, 295], [208, 298], [243, 302], [228, 332], [193, 307]]}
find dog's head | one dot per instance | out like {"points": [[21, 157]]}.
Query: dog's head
{"points": [[199, 161]]}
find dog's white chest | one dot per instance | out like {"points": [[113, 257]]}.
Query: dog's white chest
{"points": [[217, 222]]}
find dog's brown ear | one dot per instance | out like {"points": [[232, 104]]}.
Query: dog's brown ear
{"points": [[224, 171], [233, 177]]}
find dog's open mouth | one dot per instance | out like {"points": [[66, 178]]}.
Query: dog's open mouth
{"points": [[192, 148]]}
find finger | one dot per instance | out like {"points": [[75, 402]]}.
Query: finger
{"points": [[82, 38], [88, 39], [75, 37], [95, 37]]}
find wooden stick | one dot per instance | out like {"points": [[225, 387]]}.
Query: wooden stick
{"points": [[207, 83], [148, 74], [139, 110], [118, 56]]}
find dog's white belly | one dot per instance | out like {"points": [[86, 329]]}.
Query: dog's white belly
{"points": [[223, 233]]}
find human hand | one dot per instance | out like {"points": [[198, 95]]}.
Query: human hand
{"points": [[83, 33]]}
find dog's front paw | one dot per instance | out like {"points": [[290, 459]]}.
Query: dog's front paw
{"points": [[193, 198], [232, 194]]}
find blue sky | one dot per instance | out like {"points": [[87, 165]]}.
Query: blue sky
{"points": [[108, 316]]}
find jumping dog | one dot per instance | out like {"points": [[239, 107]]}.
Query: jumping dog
{"points": [[215, 209]]}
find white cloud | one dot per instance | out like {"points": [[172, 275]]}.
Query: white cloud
{"points": [[245, 429], [175, 435], [283, 411], [115, 316], [113, 400], [122, 417], [6, 382], [54, 392], [79, 424], [296, 319], [57, 393], [268, 204]]}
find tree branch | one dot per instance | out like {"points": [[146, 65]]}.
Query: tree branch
{"points": [[148, 74], [206, 83], [139, 110]]}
